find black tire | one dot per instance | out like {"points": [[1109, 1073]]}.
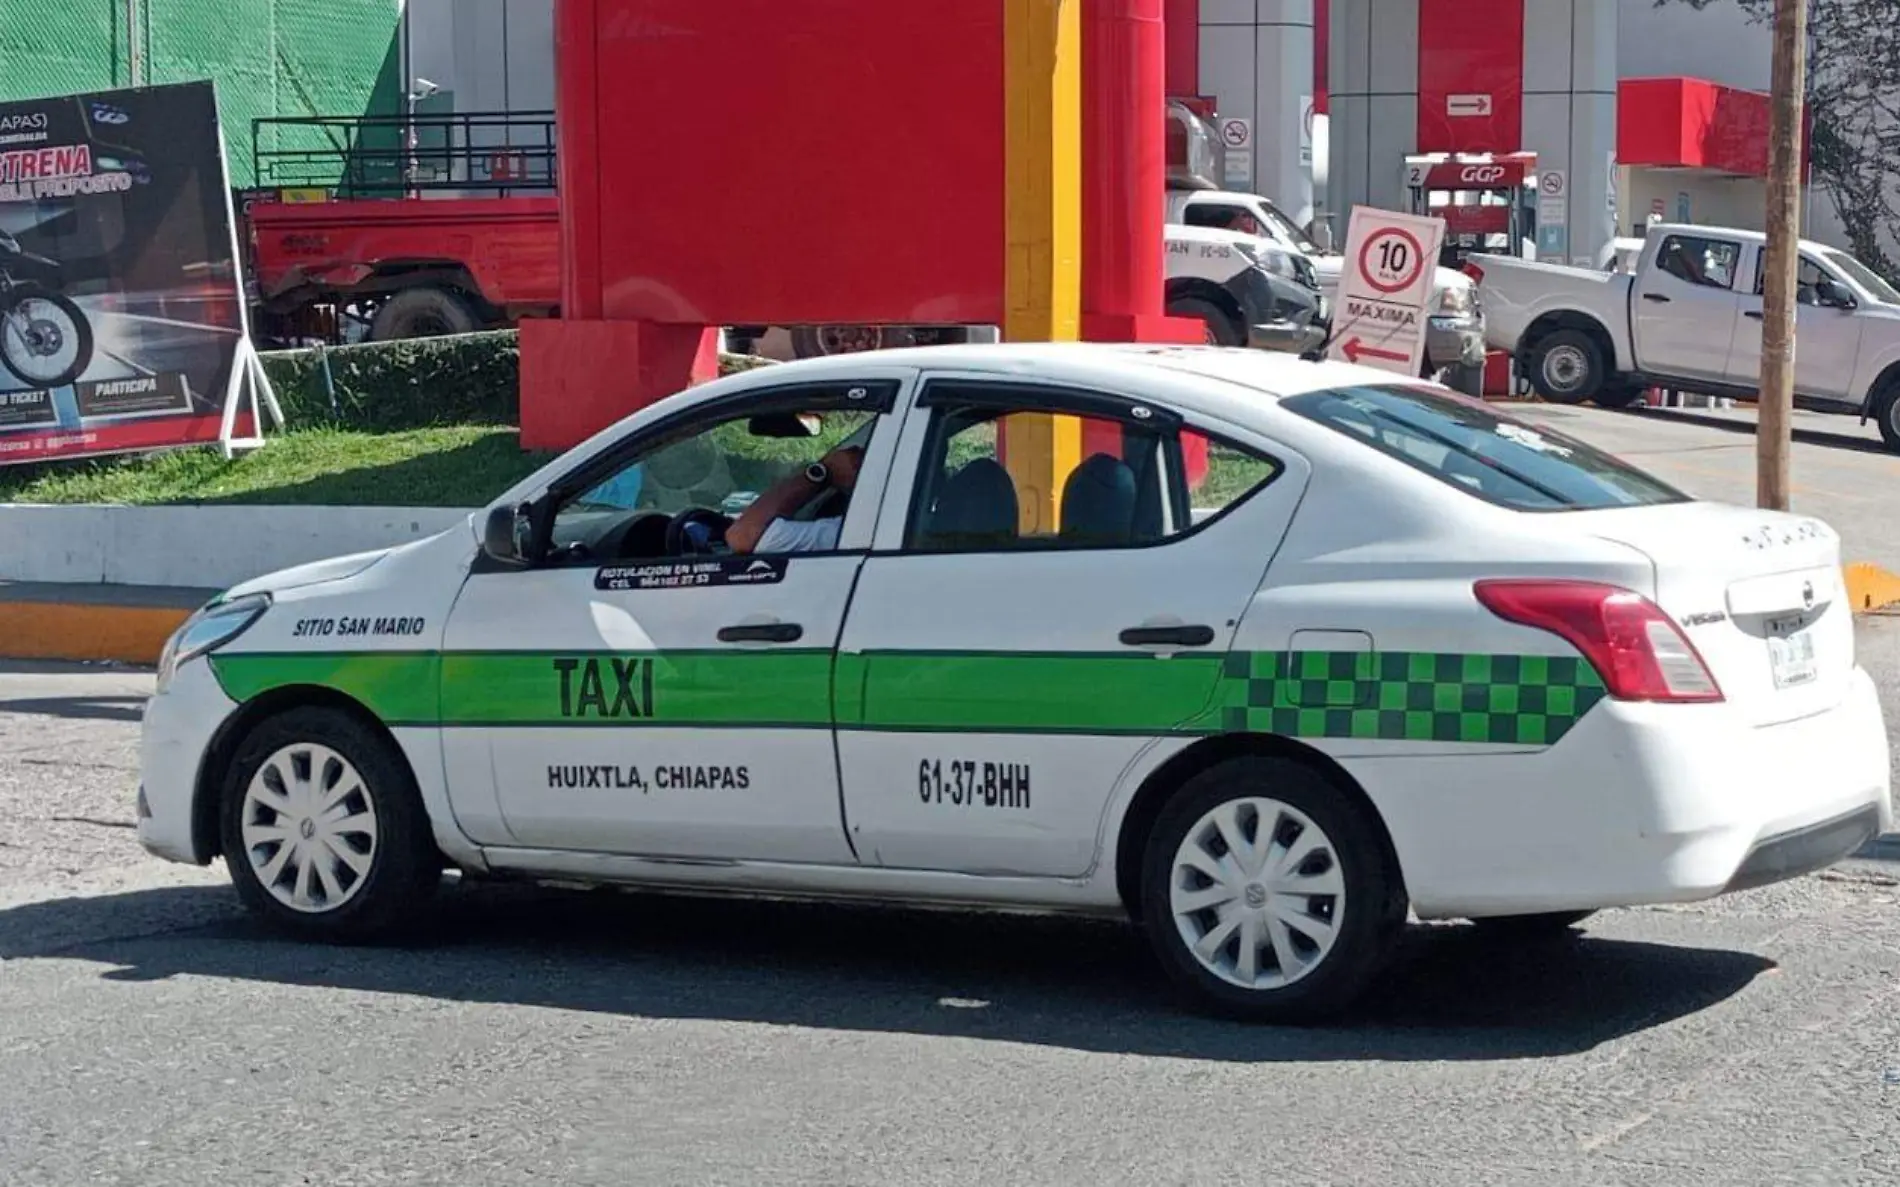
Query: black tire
{"points": [[81, 328], [1567, 367], [1618, 395], [1551, 925], [422, 312], [818, 342], [1221, 329], [1373, 901], [1886, 413], [404, 866]]}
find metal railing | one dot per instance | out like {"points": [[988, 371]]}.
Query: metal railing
{"points": [[396, 156]]}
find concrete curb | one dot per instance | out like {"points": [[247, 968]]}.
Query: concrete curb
{"points": [[197, 545], [123, 624]]}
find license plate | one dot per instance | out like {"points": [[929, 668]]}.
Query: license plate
{"points": [[1791, 657]]}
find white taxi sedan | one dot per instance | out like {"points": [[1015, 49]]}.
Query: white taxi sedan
{"points": [[1277, 651]]}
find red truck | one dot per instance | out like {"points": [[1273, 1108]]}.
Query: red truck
{"points": [[397, 227], [384, 227]]}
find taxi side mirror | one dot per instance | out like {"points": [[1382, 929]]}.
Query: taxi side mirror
{"points": [[508, 534]]}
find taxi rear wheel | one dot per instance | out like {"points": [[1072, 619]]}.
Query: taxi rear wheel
{"points": [[1267, 893], [324, 831]]}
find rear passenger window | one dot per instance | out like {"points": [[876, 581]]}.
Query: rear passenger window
{"points": [[1710, 263], [986, 484], [1470, 446]]}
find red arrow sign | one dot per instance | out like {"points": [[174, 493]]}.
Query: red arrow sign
{"points": [[1356, 350]]}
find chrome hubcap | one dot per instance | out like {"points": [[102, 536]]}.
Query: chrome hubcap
{"points": [[1257, 893], [38, 338], [1565, 369], [309, 828]]}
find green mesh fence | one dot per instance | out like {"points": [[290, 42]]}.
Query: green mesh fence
{"points": [[268, 57]]}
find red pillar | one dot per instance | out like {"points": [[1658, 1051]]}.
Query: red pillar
{"points": [[1182, 30], [580, 372], [1124, 174]]}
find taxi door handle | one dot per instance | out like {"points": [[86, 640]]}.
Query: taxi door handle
{"points": [[762, 632], [1754, 313], [1168, 636], [1656, 297]]}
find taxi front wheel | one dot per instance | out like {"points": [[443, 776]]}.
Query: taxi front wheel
{"points": [[324, 831], [1267, 892]]}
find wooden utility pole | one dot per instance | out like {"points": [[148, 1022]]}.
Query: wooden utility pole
{"points": [[1788, 88]]}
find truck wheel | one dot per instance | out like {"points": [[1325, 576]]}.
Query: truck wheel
{"points": [[421, 313], [1221, 330], [817, 342], [1618, 395], [1886, 413], [1566, 367], [1267, 893]]}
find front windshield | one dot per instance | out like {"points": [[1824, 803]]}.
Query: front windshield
{"points": [[1286, 226], [1863, 276]]}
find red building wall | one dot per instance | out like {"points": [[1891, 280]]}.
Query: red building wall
{"points": [[839, 142]]}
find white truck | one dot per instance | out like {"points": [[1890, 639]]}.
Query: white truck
{"points": [[1688, 317], [1245, 290], [1455, 335]]}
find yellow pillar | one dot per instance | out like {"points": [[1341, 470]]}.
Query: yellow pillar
{"points": [[1042, 203]]}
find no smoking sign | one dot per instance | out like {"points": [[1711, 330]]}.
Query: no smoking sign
{"points": [[1392, 260]]}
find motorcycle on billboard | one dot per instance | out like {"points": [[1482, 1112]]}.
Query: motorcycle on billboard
{"points": [[122, 326]]}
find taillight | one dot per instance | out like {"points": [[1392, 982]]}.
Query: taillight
{"points": [[1472, 270], [1639, 651]]}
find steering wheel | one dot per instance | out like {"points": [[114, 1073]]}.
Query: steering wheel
{"points": [[682, 541]]}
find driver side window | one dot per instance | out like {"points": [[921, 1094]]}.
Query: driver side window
{"points": [[1808, 278], [677, 494]]}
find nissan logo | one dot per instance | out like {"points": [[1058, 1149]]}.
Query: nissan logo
{"points": [[1482, 174]]}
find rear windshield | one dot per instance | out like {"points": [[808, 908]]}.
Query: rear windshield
{"points": [[1467, 444]]}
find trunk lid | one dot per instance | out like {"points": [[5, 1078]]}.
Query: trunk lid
{"points": [[1760, 594]]}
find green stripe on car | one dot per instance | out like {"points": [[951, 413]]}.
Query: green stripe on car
{"points": [[1398, 696]]}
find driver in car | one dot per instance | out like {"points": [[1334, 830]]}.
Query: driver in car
{"points": [[766, 525]]}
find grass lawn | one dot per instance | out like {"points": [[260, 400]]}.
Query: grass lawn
{"points": [[457, 466], [469, 465]]}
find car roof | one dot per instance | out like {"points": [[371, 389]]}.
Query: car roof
{"points": [[1239, 386], [1241, 378]]}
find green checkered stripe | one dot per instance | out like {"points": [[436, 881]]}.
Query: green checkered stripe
{"points": [[1408, 696]]}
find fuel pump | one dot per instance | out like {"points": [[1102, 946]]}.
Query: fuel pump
{"points": [[1488, 201]]}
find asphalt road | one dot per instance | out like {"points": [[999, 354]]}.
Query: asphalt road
{"points": [[149, 1034], [1838, 469]]}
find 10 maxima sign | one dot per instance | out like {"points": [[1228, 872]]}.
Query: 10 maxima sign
{"points": [[1386, 291], [121, 323]]}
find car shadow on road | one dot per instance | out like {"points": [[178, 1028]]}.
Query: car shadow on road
{"points": [[1081, 984], [79, 708], [1452, 994]]}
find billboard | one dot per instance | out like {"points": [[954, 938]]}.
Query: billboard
{"points": [[122, 325]]}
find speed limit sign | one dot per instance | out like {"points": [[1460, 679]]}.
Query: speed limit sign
{"points": [[1386, 293], [1391, 260]]}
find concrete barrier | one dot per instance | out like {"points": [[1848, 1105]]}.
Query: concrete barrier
{"points": [[195, 546]]}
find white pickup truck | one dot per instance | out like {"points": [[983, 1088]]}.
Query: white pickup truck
{"points": [[1688, 317], [1454, 335]]}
